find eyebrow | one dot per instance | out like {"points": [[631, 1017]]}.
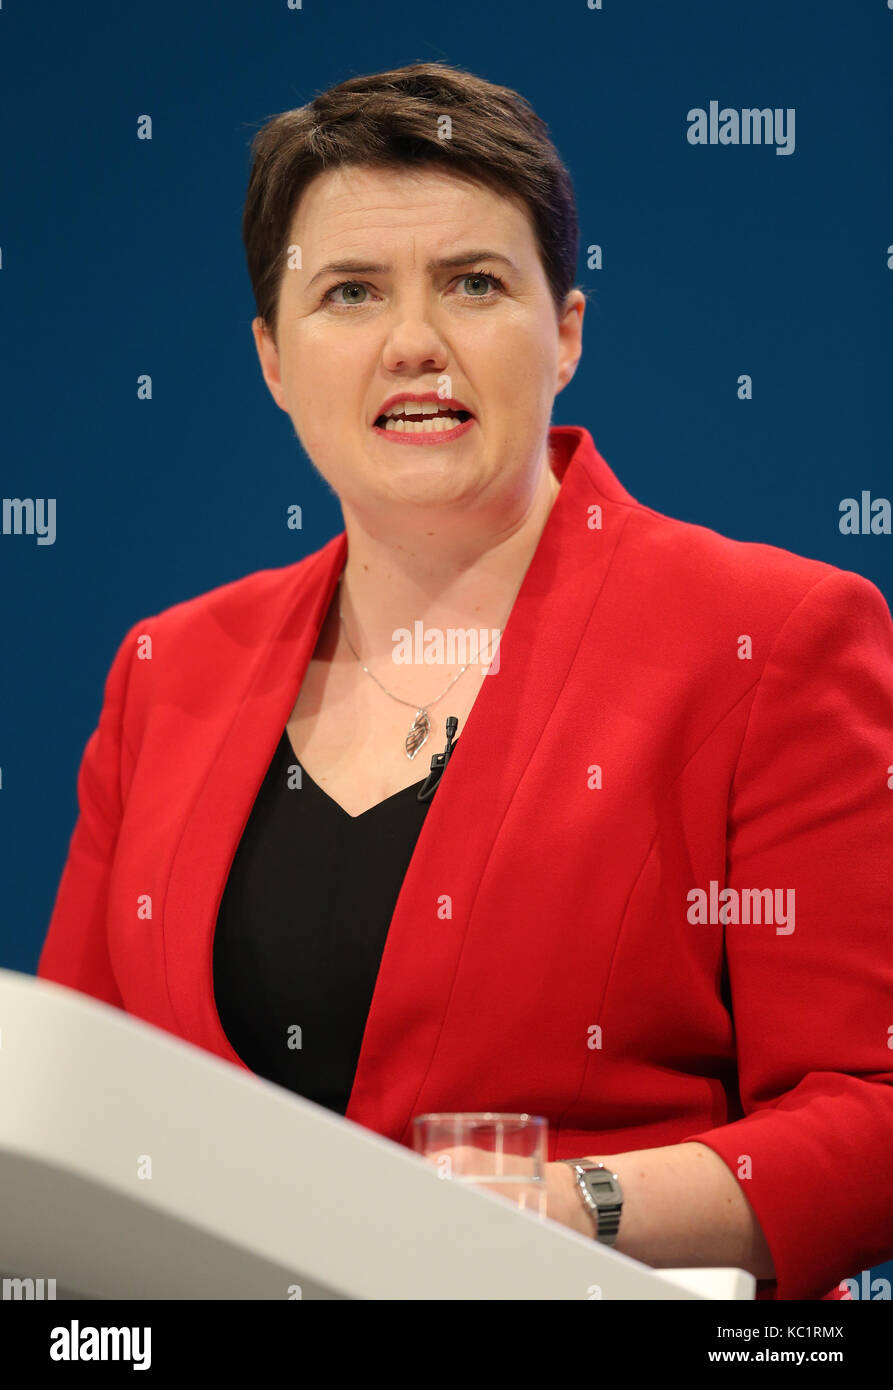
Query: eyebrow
{"points": [[441, 263]]}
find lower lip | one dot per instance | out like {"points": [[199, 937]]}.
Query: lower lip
{"points": [[425, 436]]}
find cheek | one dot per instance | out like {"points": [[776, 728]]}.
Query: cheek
{"points": [[325, 375], [507, 359], [326, 409]]}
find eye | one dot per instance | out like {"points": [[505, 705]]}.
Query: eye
{"points": [[345, 284], [481, 277]]}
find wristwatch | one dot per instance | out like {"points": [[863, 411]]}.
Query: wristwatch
{"points": [[602, 1196]]}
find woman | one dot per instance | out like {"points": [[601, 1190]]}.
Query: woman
{"points": [[646, 895]]}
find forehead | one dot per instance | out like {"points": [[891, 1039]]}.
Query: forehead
{"points": [[354, 208]]}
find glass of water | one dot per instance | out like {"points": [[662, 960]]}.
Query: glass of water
{"points": [[504, 1153]]}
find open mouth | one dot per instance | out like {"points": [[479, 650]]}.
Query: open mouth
{"points": [[422, 422]]}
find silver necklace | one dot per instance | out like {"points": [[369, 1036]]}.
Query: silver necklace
{"points": [[420, 727]]}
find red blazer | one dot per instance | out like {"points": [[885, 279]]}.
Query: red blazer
{"points": [[673, 711]]}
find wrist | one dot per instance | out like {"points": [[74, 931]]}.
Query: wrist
{"points": [[573, 1209]]}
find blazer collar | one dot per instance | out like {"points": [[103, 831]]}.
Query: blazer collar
{"points": [[545, 627]]}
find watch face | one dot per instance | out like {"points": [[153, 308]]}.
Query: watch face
{"points": [[602, 1187]]}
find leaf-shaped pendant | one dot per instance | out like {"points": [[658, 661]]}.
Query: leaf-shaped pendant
{"points": [[418, 734]]}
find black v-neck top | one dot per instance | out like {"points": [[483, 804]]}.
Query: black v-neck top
{"points": [[302, 926]]}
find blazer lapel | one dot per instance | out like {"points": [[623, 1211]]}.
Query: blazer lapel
{"points": [[236, 769], [424, 944]]}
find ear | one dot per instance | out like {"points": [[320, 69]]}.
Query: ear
{"points": [[268, 355], [570, 337]]}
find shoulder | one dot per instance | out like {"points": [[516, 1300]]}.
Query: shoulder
{"points": [[702, 578], [264, 598], [211, 640], [255, 604]]}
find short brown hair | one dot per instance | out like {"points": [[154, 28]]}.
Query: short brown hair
{"points": [[390, 119]]}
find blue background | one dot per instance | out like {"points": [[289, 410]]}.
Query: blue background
{"points": [[123, 256]]}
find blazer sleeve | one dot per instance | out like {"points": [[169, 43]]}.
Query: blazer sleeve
{"points": [[75, 950], [811, 810]]}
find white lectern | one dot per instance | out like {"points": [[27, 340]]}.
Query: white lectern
{"points": [[134, 1165]]}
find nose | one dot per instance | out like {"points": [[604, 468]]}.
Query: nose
{"points": [[413, 341]]}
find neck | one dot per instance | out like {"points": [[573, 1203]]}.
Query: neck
{"points": [[447, 576]]}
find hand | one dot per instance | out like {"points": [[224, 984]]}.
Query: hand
{"points": [[564, 1203]]}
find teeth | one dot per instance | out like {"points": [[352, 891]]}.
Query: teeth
{"points": [[414, 408], [403, 408], [436, 426]]}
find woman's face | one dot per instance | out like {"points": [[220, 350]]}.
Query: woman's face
{"points": [[403, 323]]}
